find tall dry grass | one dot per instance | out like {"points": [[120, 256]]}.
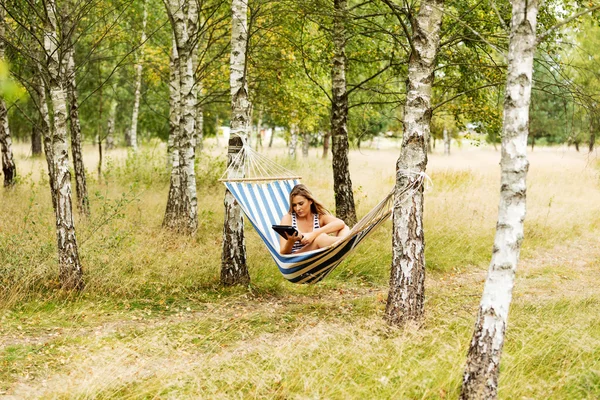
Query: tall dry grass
{"points": [[153, 321]]}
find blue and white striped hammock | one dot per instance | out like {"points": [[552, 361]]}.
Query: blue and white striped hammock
{"points": [[265, 201]]}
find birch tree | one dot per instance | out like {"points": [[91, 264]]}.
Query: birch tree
{"points": [[447, 141], [480, 380], [69, 27], [138, 82], [182, 204], [407, 282], [233, 259], [173, 103], [39, 88], [70, 270], [293, 145], [344, 197], [8, 163]]}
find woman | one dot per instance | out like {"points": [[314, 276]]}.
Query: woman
{"points": [[313, 222]]}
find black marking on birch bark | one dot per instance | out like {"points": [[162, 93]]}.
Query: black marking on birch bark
{"points": [[480, 380]]}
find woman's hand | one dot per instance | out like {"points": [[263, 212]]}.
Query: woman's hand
{"points": [[308, 238]]}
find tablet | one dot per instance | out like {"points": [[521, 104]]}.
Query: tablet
{"points": [[285, 229]]}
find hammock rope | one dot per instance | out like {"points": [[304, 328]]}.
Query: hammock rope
{"points": [[250, 165], [262, 187]]}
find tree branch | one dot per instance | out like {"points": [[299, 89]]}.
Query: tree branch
{"points": [[564, 22]]}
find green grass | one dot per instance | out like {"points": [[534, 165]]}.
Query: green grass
{"points": [[153, 321]]}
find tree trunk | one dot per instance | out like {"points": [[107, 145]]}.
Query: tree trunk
{"points": [[71, 272], [326, 138], [9, 168], [429, 143], [592, 134], [342, 184], [198, 131], [234, 270], [259, 129], [480, 380], [305, 144], [447, 142], [8, 163], [99, 127], [133, 142], [272, 137], [40, 89], [100, 155], [172, 152], [182, 204], [83, 202], [36, 141], [110, 126], [250, 118], [293, 144], [407, 281]]}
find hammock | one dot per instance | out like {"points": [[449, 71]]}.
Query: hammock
{"points": [[262, 188]]}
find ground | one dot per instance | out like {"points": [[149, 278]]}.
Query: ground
{"points": [[154, 323]]}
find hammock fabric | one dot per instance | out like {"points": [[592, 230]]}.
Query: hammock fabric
{"points": [[265, 201]]}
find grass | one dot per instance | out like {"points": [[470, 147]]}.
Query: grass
{"points": [[153, 321]]}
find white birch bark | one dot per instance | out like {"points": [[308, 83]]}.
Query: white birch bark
{"points": [[342, 183], [480, 380], [305, 144], [172, 152], [138, 83], [182, 204], [40, 89], [447, 141], [233, 257], [407, 281], [83, 203], [293, 141], [9, 169], [198, 131], [70, 270]]}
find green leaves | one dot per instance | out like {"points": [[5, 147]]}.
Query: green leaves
{"points": [[10, 90]]}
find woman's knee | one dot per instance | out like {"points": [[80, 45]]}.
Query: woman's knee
{"points": [[345, 231]]}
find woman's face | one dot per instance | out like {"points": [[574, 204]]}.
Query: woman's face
{"points": [[301, 205]]}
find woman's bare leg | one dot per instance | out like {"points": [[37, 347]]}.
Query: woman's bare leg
{"points": [[324, 240], [342, 233]]}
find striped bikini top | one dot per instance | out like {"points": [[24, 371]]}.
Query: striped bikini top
{"points": [[316, 225]]}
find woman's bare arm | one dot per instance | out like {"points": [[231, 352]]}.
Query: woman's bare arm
{"points": [[285, 246], [329, 224]]}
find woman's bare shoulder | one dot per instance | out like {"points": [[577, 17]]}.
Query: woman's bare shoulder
{"points": [[286, 219], [325, 219]]}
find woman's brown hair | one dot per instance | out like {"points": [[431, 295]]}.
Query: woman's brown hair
{"points": [[316, 207]]}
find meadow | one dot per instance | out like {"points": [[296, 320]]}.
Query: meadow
{"points": [[154, 322]]}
